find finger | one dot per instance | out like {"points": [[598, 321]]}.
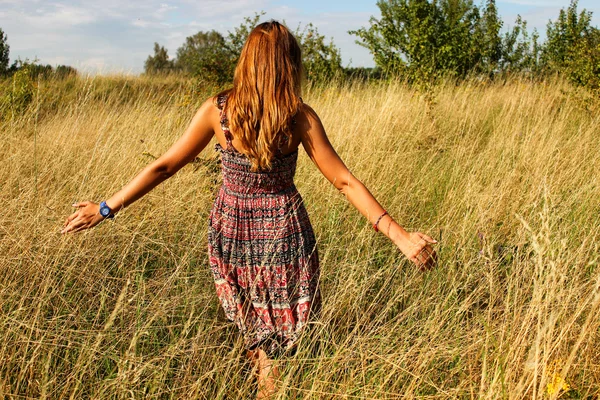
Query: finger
{"points": [[71, 218], [426, 258], [80, 228], [73, 225], [418, 263], [423, 258], [67, 228], [67, 222], [431, 263], [72, 228], [427, 238], [432, 260], [427, 251], [82, 204]]}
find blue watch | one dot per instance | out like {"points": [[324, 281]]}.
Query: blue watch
{"points": [[105, 210]]}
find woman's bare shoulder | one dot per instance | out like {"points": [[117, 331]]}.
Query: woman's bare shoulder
{"points": [[306, 109], [209, 109], [307, 117]]}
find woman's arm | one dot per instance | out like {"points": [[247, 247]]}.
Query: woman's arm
{"points": [[415, 245], [193, 141]]}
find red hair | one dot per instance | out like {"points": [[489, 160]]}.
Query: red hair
{"points": [[266, 92]]}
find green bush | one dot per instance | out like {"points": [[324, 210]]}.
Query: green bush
{"points": [[322, 60], [19, 93], [206, 56], [573, 47], [159, 63], [4, 53]]}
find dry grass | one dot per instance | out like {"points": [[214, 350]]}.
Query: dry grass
{"points": [[505, 175]]}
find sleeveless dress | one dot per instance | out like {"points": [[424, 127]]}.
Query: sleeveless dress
{"points": [[262, 249]]}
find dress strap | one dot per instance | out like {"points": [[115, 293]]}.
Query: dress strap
{"points": [[228, 138], [221, 101]]}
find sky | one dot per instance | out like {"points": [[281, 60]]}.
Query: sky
{"points": [[116, 36]]}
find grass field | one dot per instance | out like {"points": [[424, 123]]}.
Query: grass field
{"points": [[504, 175]]}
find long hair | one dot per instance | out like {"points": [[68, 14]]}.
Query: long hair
{"points": [[266, 92]]}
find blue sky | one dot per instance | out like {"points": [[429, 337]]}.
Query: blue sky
{"points": [[117, 36]]}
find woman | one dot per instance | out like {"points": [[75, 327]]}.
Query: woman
{"points": [[261, 245]]}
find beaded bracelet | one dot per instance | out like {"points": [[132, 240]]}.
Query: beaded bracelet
{"points": [[376, 224]]}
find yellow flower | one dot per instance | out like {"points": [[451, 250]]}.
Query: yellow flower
{"points": [[556, 382]]}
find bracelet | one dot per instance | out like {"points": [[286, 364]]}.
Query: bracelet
{"points": [[376, 224]]}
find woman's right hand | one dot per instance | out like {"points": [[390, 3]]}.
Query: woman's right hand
{"points": [[86, 216], [416, 246]]}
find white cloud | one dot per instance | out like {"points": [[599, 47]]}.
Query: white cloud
{"points": [[140, 23], [117, 35], [93, 64], [57, 17]]}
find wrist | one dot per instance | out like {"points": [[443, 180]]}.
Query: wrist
{"points": [[106, 211], [400, 237], [378, 220]]}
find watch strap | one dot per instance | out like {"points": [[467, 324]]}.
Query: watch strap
{"points": [[106, 211]]}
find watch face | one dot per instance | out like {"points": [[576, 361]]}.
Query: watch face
{"points": [[104, 211]]}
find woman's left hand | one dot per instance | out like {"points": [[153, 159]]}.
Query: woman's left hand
{"points": [[87, 216], [416, 246]]}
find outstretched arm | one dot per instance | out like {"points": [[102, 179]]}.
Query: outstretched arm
{"points": [[195, 138], [416, 246]]}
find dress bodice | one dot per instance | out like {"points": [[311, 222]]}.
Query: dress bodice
{"points": [[238, 178]]}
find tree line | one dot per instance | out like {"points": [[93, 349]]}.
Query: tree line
{"points": [[31, 68], [212, 57], [422, 40], [419, 41]]}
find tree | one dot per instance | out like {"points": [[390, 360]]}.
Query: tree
{"points": [[237, 38], [207, 56], [519, 51], [573, 47], [4, 53], [422, 39], [458, 38], [402, 37], [159, 63], [321, 61], [491, 51], [64, 71]]}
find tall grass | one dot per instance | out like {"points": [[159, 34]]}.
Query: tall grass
{"points": [[504, 175]]}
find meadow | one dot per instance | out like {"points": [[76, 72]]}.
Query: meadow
{"points": [[504, 175]]}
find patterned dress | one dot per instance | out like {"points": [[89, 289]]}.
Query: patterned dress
{"points": [[262, 250]]}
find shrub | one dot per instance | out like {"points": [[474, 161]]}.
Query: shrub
{"points": [[20, 93], [573, 47]]}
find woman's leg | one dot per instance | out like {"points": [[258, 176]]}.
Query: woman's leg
{"points": [[266, 371]]}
